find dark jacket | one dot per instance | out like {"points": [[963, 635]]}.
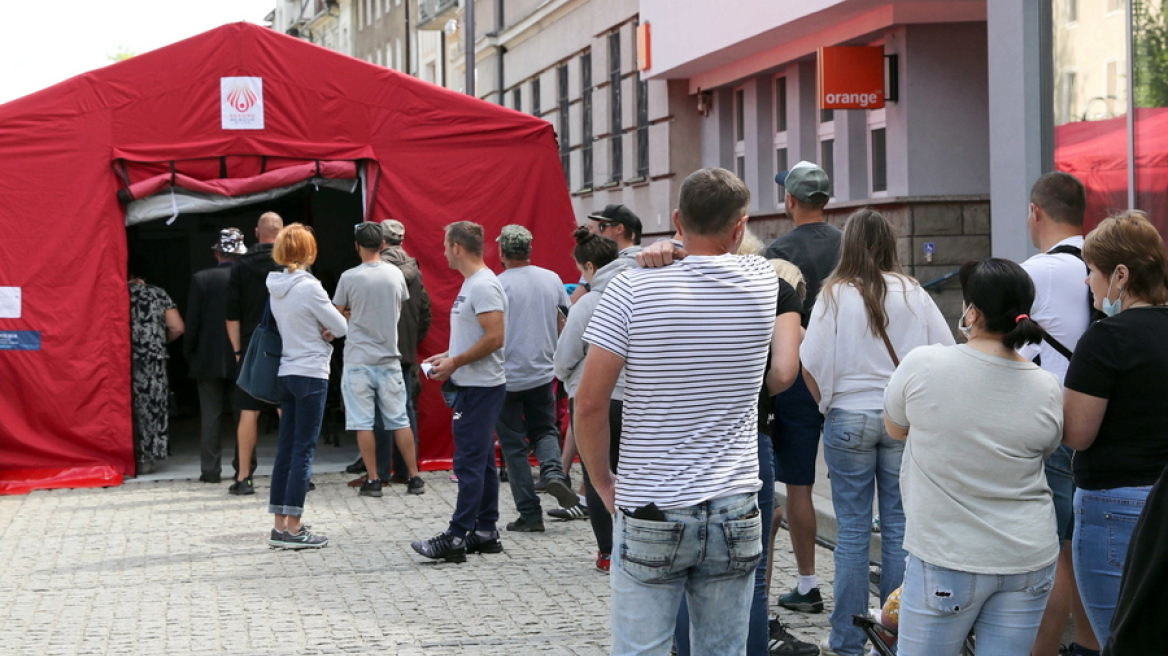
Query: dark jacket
{"points": [[247, 290], [414, 322], [206, 345]]}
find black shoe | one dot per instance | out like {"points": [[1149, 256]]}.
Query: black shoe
{"points": [[358, 466], [241, 488], [490, 544], [503, 476], [416, 485], [558, 488], [522, 525], [782, 643], [370, 489], [812, 602], [443, 546], [311, 486], [210, 478], [577, 511]]}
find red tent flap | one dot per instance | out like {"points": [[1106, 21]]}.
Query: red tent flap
{"points": [[242, 186]]}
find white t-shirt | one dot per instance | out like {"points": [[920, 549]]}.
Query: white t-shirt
{"points": [[533, 294], [480, 293], [373, 292], [694, 337], [1060, 304], [849, 363], [972, 478]]}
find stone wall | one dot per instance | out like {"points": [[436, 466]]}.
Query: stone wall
{"points": [[957, 226]]}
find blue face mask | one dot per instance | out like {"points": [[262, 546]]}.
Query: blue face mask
{"points": [[1110, 307]]}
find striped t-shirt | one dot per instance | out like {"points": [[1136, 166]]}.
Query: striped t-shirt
{"points": [[694, 337]]}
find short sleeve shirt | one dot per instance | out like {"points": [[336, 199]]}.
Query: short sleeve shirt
{"points": [[788, 302], [480, 293], [373, 292], [815, 249], [1124, 359], [534, 298]]}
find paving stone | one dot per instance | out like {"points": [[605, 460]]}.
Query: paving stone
{"points": [[176, 567]]}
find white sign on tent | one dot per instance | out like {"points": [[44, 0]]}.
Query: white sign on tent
{"points": [[241, 102]]}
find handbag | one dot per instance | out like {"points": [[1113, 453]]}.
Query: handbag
{"points": [[258, 375]]}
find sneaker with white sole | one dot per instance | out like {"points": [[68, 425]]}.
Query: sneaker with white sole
{"points": [[487, 544], [301, 540], [444, 546], [575, 512], [812, 602], [782, 643], [416, 485]]}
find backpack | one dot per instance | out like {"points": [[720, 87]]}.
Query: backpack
{"points": [[1093, 315]]}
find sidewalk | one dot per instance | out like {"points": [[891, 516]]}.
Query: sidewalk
{"points": [[179, 567]]}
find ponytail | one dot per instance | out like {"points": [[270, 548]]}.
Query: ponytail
{"points": [[1025, 331]]}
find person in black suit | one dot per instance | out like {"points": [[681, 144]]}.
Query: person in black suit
{"points": [[209, 352]]}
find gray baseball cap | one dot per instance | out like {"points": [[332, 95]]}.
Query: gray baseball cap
{"points": [[807, 182]]}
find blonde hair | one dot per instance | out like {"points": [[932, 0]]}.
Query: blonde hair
{"points": [[790, 273], [1128, 238], [295, 247], [750, 245]]}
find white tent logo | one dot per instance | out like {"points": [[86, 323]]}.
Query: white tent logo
{"points": [[241, 103]]}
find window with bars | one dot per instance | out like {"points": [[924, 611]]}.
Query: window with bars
{"points": [[642, 128], [586, 112], [616, 151], [565, 124]]}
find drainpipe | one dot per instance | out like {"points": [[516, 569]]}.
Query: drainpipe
{"points": [[469, 27]]}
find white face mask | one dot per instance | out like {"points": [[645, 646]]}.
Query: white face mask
{"points": [[965, 330], [1110, 307]]}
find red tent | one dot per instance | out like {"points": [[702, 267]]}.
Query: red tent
{"points": [[1096, 153], [237, 110]]}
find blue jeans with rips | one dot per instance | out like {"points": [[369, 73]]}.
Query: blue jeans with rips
{"points": [[301, 411], [1104, 523], [758, 638], [939, 606], [862, 462], [707, 553]]}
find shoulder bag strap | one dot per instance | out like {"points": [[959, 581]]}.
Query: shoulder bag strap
{"points": [[888, 345]]}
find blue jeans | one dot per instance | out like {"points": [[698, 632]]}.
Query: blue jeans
{"points": [[386, 448], [301, 411], [527, 424], [938, 608], [1104, 523], [476, 409], [862, 460], [707, 553], [1060, 478], [758, 638]]}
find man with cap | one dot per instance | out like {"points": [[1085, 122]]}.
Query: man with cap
{"points": [[813, 246], [247, 295], [208, 350], [536, 306], [619, 224], [370, 295]]}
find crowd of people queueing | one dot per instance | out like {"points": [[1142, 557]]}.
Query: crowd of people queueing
{"points": [[1011, 472]]}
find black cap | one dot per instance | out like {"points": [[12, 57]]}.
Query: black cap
{"points": [[368, 234], [622, 215]]}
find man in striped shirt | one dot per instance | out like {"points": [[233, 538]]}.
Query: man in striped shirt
{"points": [[692, 339]]}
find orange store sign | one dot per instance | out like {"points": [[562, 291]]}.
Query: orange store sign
{"points": [[851, 77]]}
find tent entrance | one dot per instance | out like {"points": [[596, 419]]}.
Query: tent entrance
{"points": [[171, 250]]}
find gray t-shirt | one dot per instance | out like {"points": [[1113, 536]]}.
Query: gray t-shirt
{"points": [[972, 478], [533, 294], [480, 293], [373, 292]]}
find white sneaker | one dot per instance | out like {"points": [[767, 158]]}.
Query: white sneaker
{"points": [[825, 648]]}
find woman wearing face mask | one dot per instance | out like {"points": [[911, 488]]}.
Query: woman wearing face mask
{"points": [[1115, 404], [978, 421]]}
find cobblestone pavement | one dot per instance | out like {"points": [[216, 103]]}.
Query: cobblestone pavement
{"points": [[180, 567]]}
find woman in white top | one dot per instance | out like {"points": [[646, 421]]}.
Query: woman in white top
{"points": [[868, 315], [979, 421]]}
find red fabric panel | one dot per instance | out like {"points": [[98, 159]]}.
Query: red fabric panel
{"points": [[15, 481], [433, 156], [282, 177]]}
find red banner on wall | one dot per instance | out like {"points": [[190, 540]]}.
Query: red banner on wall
{"points": [[851, 77]]}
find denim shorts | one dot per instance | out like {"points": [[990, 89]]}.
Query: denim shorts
{"points": [[1061, 480], [362, 385], [795, 435]]}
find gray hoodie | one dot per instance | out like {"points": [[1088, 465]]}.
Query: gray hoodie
{"points": [[571, 348], [301, 309]]}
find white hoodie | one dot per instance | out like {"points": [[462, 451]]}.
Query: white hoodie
{"points": [[301, 309]]}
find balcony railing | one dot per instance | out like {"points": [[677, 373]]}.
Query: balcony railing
{"points": [[433, 14]]}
